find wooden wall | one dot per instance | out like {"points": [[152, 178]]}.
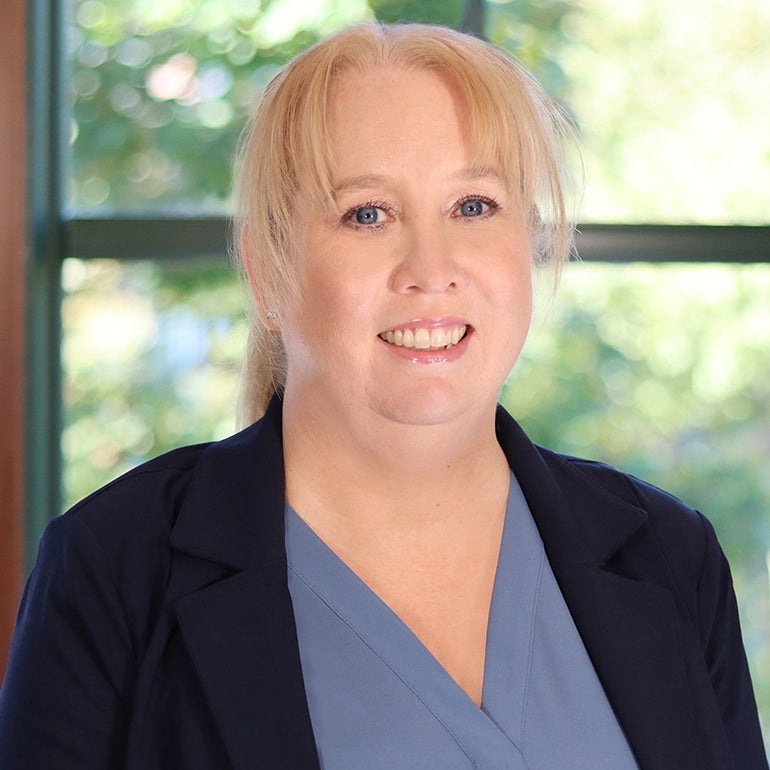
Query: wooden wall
{"points": [[12, 272]]}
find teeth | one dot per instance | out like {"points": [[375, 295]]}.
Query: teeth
{"points": [[421, 339], [425, 339], [438, 338]]}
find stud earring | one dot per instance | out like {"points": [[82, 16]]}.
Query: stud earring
{"points": [[271, 314]]}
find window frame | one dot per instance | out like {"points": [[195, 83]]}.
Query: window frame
{"points": [[176, 237], [56, 233], [38, 234]]}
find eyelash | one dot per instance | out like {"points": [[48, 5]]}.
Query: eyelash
{"points": [[490, 202], [349, 216]]}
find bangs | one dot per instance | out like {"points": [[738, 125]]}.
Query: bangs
{"points": [[514, 128]]}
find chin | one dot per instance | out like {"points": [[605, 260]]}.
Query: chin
{"points": [[424, 418], [426, 407]]}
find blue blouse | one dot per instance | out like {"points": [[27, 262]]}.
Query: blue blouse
{"points": [[378, 699]]}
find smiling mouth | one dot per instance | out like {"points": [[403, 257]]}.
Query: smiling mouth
{"points": [[425, 339]]}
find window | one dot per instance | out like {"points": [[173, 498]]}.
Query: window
{"points": [[660, 368]]}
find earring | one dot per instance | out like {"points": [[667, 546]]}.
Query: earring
{"points": [[271, 314]]}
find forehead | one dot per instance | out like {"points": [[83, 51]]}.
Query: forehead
{"points": [[382, 80], [372, 91], [386, 110]]}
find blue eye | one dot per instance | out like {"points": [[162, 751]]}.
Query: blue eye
{"points": [[473, 207], [368, 215]]}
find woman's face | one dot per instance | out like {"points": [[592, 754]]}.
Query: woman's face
{"points": [[415, 291]]}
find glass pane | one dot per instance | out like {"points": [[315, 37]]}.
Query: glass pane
{"points": [[160, 90], [663, 371], [150, 359], [668, 97]]}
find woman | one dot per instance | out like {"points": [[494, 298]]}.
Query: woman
{"points": [[382, 571]]}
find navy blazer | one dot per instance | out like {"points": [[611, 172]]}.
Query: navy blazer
{"points": [[156, 630]]}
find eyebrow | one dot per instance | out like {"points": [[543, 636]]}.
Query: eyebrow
{"points": [[358, 183], [474, 173], [469, 174]]}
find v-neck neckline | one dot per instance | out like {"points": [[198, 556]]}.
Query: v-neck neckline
{"points": [[389, 638]]}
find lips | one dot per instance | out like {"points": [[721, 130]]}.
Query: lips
{"points": [[425, 338]]}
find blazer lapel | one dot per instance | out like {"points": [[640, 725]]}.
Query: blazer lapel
{"points": [[236, 618], [243, 645], [629, 627], [630, 631], [233, 605]]}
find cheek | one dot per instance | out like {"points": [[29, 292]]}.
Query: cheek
{"points": [[333, 309], [337, 305], [513, 289]]}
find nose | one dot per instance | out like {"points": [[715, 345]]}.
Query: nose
{"points": [[428, 264]]}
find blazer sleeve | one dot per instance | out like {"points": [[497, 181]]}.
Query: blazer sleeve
{"points": [[63, 700], [725, 657]]}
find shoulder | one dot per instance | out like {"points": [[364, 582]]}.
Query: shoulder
{"points": [[675, 546], [141, 503], [197, 499], [665, 511], [600, 507], [672, 547], [108, 556], [150, 497]]}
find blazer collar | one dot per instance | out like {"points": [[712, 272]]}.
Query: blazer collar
{"points": [[580, 521], [629, 626], [233, 511], [236, 617], [232, 600]]}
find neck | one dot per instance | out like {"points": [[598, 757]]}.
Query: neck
{"points": [[387, 476]]}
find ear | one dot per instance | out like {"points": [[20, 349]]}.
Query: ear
{"points": [[265, 306]]}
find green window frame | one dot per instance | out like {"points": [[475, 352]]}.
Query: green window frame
{"points": [[55, 233]]}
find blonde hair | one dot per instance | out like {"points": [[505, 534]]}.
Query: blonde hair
{"points": [[515, 125]]}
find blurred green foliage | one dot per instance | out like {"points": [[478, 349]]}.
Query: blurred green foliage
{"points": [[669, 102], [160, 90], [666, 96], [448, 12], [150, 357], [662, 371]]}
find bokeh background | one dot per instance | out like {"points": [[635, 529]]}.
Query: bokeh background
{"points": [[662, 369]]}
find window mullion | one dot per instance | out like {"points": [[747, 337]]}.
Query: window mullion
{"points": [[47, 105], [132, 238]]}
